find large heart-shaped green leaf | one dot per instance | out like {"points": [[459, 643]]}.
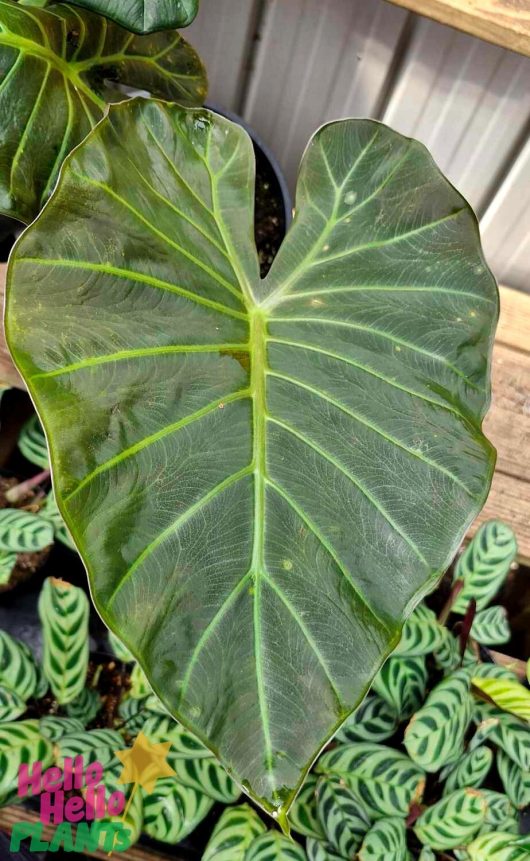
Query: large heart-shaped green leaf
{"points": [[59, 67], [145, 16], [263, 477]]}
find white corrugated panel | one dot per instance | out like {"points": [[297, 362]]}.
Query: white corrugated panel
{"points": [[467, 100], [222, 33], [506, 226], [318, 61]]}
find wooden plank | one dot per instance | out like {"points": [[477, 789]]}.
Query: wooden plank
{"points": [[466, 100], [509, 500], [11, 815], [514, 322], [503, 22], [315, 62]]}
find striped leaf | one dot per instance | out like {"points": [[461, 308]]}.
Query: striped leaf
{"points": [[121, 651], [172, 811], [273, 846], [497, 846], [386, 781], [507, 731], [303, 815], [484, 565], [386, 841], [17, 668], [55, 728], [375, 720], [490, 626], [516, 782], [435, 735], [494, 671], [92, 745], [342, 815], [20, 742], [32, 443], [8, 560], [63, 611], [11, 704], [50, 512], [453, 821], [500, 812], [85, 706], [447, 654], [184, 745], [318, 850], [236, 829], [132, 817], [422, 634], [402, 683], [23, 532], [140, 687], [208, 776], [133, 715], [427, 854], [507, 695], [471, 770]]}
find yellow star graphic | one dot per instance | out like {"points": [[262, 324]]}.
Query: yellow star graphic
{"points": [[144, 763]]}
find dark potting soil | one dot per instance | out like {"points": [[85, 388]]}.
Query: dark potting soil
{"points": [[269, 213]]}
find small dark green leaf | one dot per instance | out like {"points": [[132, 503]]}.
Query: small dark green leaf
{"points": [[236, 829], [303, 816], [145, 16], [32, 442], [386, 841], [453, 821], [172, 811], [63, 611], [59, 68], [273, 846], [402, 683], [471, 770], [375, 720], [516, 782], [343, 816], [484, 564], [490, 626]]}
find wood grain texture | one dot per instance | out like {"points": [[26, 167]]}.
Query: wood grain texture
{"points": [[507, 423], [9, 816], [504, 22]]}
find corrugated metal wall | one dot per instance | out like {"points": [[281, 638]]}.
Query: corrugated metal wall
{"points": [[289, 65]]}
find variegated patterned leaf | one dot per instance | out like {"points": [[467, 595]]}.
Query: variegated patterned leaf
{"points": [[422, 634], [236, 829], [494, 671], [184, 745], [500, 812], [375, 720], [96, 744], [121, 651], [402, 683], [85, 706], [11, 704], [132, 716], [342, 815], [471, 770], [497, 846], [23, 532], [132, 817], [32, 443], [303, 815], [435, 735], [507, 695], [484, 564], [427, 854], [172, 811], [50, 512], [516, 782], [386, 841], [507, 731], [8, 560], [20, 742], [208, 776], [140, 687], [318, 850], [273, 846], [17, 668], [490, 626], [453, 821], [55, 728], [447, 654], [385, 780], [63, 611]]}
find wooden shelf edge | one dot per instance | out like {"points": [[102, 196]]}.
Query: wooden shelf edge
{"points": [[496, 21]]}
